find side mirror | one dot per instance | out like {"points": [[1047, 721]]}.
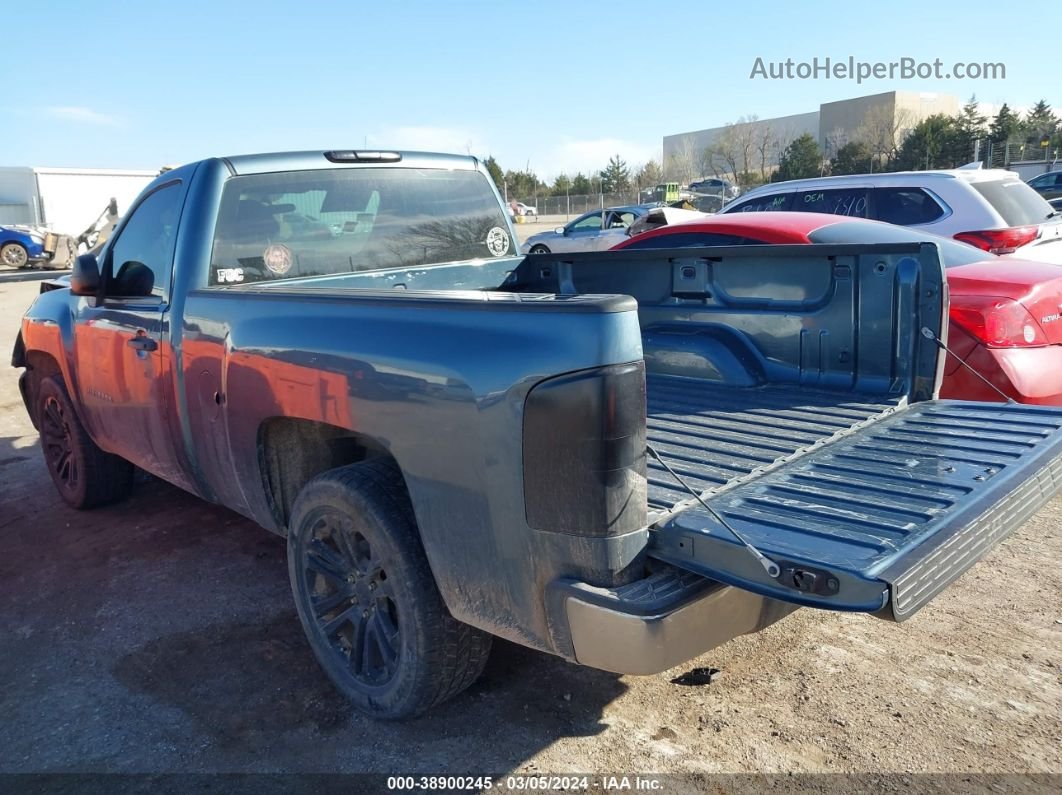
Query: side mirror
{"points": [[85, 276], [559, 230]]}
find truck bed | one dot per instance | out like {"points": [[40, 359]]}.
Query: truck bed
{"points": [[714, 435]]}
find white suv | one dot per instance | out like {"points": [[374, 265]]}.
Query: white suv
{"points": [[990, 208]]}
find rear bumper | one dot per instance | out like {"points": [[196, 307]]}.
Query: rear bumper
{"points": [[1028, 375], [655, 624]]}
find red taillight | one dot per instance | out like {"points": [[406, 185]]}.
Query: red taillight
{"points": [[997, 322], [1000, 241]]}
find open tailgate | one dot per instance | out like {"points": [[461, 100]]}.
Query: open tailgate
{"points": [[882, 519]]}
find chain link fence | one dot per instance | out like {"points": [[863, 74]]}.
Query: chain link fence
{"points": [[571, 205]]}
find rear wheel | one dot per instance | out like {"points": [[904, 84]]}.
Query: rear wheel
{"points": [[366, 597], [84, 474], [14, 255], [539, 250]]}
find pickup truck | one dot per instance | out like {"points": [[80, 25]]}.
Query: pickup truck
{"points": [[622, 458]]}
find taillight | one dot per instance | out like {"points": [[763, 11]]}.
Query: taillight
{"points": [[997, 322], [1000, 241], [584, 452]]}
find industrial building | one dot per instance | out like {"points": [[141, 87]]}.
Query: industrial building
{"points": [[892, 113]]}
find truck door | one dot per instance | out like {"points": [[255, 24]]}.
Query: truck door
{"points": [[121, 349]]}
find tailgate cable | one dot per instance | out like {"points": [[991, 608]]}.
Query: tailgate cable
{"points": [[773, 570], [929, 335]]}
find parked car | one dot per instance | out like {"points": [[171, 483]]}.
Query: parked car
{"points": [[457, 442], [714, 186], [1056, 203], [525, 209], [991, 209], [597, 230], [1005, 321], [1048, 185], [21, 246]]}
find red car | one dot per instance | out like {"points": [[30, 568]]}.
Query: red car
{"points": [[1006, 314]]}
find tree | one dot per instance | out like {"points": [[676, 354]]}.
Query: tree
{"points": [[580, 184], [883, 129], [764, 139], [649, 174], [615, 177], [562, 184], [1040, 123], [523, 184], [852, 158], [928, 145], [681, 163], [495, 172], [800, 160], [969, 127], [1005, 127]]}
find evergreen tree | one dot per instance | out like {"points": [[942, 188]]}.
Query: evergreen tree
{"points": [[580, 184], [852, 158], [1006, 126], [1040, 123], [800, 160], [562, 184], [969, 128], [928, 145], [495, 172], [616, 177]]}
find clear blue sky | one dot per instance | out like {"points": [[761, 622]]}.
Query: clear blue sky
{"points": [[556, 85]]}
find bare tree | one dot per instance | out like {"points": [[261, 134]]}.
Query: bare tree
{"points": [[682, 162], [883, 130], [764, 139]]}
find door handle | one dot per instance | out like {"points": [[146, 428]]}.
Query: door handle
{"points": [[142, 342]]}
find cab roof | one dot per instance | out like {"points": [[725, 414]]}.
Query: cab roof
{"points": [[346, 158]]}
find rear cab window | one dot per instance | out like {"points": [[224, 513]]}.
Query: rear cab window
{"points": [[1016, 202], [297, 224]]}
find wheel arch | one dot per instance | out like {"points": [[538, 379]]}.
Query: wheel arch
{"points": [[293, 451]]}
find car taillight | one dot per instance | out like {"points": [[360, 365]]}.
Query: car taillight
{"points": [[997, 322], [1000, 241]]}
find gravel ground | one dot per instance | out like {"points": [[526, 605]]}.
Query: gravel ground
{"points": [[159, 635]]}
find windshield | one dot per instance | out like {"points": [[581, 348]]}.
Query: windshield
{"points": [[1016, 202], [952, 252], [310, 223]]}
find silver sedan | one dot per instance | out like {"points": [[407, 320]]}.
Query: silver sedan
{"points": [[598, 230]]}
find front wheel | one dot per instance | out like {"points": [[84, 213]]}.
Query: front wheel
{"points": [[84, 474], [539, 250], [366, 597], [14, 255]]}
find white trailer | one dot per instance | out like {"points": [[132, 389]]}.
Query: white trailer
{"points": [[66, 200]]}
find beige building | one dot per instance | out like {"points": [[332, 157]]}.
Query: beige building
{"points": [[877, 119]]}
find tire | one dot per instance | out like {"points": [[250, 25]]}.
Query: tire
{"points": [[539, 250], [14, 255], [367, 599], [84, 475]]}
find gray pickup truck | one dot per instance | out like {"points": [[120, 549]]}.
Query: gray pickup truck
{"points": [[622, 458]]}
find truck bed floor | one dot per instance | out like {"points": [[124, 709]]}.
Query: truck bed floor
{"points": [[712, 434]]}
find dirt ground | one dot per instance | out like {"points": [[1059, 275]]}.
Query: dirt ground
{"points": [[159, 635]]}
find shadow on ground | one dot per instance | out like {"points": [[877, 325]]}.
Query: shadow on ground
{"points": [[162, 630]]}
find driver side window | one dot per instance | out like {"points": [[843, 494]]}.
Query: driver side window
{"points": [[141, 259], [588, 223]]}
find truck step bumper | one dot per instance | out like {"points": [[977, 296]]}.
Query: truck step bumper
{"points": [[659, 622]]}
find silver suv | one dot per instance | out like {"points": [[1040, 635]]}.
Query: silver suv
{"points": [[989, 208]]}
